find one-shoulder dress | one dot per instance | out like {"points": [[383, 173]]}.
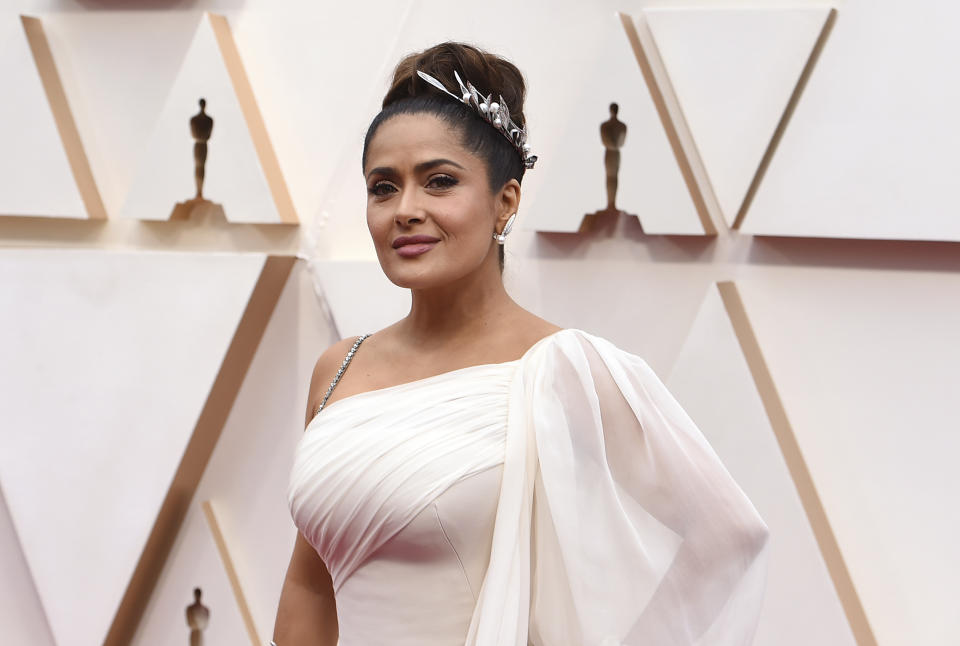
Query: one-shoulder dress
{"points": [[564, 498]]}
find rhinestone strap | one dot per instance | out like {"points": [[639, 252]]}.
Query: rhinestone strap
{"points": [[343, 368]]}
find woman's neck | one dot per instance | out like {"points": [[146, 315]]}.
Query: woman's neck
{"points": [[467, 309]]}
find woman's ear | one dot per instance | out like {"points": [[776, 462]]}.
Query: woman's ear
{"points": [[509, 202]]}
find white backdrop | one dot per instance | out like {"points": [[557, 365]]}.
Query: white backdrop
{"points": [[860, 336]]}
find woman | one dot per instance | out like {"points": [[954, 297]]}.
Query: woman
{"points": [[480, 475]]}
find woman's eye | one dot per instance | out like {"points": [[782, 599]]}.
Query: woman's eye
{"points": [[380, 188], [441, 181]]}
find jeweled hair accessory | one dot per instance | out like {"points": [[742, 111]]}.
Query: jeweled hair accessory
{"points": [[494, 113]]}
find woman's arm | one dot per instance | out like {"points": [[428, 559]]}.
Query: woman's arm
{"points": [[307, 611], [639, 525], [712, 590]]}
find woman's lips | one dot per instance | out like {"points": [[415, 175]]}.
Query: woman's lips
{"points": [[415, 249]]}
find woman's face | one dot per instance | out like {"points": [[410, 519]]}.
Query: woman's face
{"points": [[430, 210]]}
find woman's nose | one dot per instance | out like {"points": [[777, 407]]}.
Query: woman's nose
{"points": [[409, 210], [406, 219]]}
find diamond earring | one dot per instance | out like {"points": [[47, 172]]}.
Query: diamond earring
{"points": [[502, 237]]}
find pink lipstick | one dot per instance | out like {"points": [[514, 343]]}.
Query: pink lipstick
{"points": [[410, 246]]}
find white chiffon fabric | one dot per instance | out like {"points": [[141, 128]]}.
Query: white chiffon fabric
{"points": [[564, 498]]}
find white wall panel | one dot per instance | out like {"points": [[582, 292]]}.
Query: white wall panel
{"points": [[317, 93], [866, 365], [108, 360], [35, 176], [234, 172], [570, 94], [869, 153], [733, 71], [712, 381], [21, 613], [197, 564], [358, 296], [247, 478], [117, 111]]}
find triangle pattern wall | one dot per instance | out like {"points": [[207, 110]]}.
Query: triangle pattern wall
{"points": [[735, 84], [241, 172], [123, 349], [43, 168]]}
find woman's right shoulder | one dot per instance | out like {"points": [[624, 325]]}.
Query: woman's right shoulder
{"points": [[330, 359], [325, 370]]}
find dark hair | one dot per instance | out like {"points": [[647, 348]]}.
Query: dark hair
{"points": [[490, 74]]}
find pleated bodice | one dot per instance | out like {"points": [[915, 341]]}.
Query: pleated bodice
{"points": [[397, 490]]}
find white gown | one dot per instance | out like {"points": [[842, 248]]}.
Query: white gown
{"points": [[561, 499]]}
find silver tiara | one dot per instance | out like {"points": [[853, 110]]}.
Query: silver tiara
{"points": [[494, 113]]}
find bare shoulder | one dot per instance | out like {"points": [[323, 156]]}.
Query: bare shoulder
{"points": [[324, 370], [331, 358], [530, 328], [519, 332]]}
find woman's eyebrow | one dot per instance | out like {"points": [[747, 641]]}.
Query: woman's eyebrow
{"points": [[380, 170], [419, 168], [427, 165]]}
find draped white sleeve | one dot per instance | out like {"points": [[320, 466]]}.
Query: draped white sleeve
{"points": [[617, 523]]}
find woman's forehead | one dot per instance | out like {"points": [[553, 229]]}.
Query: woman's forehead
{"points": [[412, 138]]}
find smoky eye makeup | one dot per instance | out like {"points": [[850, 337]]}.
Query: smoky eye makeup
{"points": [[380, 188], [442, 181]]}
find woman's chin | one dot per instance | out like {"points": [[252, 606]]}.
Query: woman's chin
{"points": [[408, 281], [407, 277], [422, 272], [419, 277]]}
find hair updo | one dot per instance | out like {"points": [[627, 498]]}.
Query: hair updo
{"points": [[490, 74]]}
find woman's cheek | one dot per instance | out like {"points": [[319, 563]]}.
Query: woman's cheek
{"points": [[379, 231]]}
